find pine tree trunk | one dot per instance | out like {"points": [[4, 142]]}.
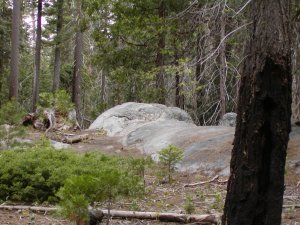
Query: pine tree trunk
{"points": [[222, 57], [57, 54], [199, 78], [78, 62], [160, 80], [15, 53], [256, 184], [103, 86], [179, 97], [37, 59]]}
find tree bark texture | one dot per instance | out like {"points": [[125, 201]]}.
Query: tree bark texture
{"points": [[166, 217], [222, 57], [199, 76], [179, 97], [98, 214], [78, 62], [160, 80], [256, 184], [37, 58], [57, 53], [15, 52]]}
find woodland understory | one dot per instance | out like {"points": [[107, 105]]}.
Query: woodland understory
{"points": [[64, 62], [103, 53]]}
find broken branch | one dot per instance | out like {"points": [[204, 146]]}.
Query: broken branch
{"points": [[202, 182]]}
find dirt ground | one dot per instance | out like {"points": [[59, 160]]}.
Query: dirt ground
{"points": [[160, 197]]}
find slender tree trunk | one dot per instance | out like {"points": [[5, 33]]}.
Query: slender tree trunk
{"points": [[108, 210], [199, 77], [179, 98], [103, 86], [222, 58], [57, 54], [160, 80], [37, 59], [296, 97], [15, 53], [33, 21], [78, 62], [256, 184]]}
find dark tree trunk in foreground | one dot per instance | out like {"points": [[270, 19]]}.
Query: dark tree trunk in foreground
{"points": [[37, 58], [15, 53], [57, 54], [78, 62], [256, 183]]}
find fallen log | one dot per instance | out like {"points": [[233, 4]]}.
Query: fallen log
{"points": [[119, 214], [291, 206], [202, 182], [165, 217], [75, 138], [31, 208]]}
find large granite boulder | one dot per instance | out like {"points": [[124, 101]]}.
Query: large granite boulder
{"points": [[131, 115], [151, 127]]}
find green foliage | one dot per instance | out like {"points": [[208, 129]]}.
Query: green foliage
{"points": [[60, 101], [169, 157], [219, 201], [109, 183], [76, 195], [37, 173], [11, 114], [189, 207]]}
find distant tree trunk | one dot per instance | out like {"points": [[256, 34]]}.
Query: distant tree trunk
{"points": [[37, 58], [78, 62], [296, 62], [179, 97], [199, 77], [256, 184], [33, 21], [103, 86], [57, 54], [15, 54], [160, 80], [222, 57], [296, 97]]}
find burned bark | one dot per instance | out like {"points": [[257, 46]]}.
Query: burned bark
{"points": [[256, 184]]}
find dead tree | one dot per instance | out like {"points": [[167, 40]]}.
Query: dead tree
{"points": [[256, 183]]}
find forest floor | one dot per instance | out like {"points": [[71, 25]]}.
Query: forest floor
{"points": [[160, 197]]}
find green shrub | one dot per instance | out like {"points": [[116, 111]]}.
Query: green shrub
{"points": [[11, 114], [189, 207], [36, 174], [169, 157], [60, 101], [109, 183]]}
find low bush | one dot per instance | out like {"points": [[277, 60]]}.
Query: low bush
{"points": [[36, 174], [11, 114]]}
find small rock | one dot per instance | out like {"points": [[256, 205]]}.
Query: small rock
{"points": [[59, 145], [228, 120]]}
